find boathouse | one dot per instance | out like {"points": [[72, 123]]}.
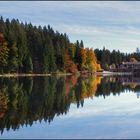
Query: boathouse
{"points": [[132, 66]]}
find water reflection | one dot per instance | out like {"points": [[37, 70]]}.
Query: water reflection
{"points": [[24, 100]]}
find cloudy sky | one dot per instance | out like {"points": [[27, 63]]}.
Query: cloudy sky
{"points": [[114, 24]]}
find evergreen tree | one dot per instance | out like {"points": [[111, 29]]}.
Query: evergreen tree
{"points": [[32, 49], [28, 65], [81, 44], [13, 58], [52, 65]]}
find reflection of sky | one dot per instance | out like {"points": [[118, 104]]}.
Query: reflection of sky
{"points": [[112, 117], [114, 24]]}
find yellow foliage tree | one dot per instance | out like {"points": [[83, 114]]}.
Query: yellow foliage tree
{"points": [[98, 67], [3, 104], [91, 60], [83, 55]]}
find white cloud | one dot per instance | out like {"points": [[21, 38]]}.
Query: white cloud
{"points": [[99, 23]]}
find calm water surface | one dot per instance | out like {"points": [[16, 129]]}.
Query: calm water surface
{"points": [[70, 107]]}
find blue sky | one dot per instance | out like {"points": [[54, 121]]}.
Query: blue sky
{"points": [[114, 24]]}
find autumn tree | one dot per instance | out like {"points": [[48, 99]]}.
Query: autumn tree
{"points": [[83, 58], [98, 67], [3, 104], [4, 51], [91, 60]]}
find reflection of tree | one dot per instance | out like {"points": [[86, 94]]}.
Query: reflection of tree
{"points": [[114, 85], [3, 105], [85, 88], [133, 85], [109, 85], [28, 99]]}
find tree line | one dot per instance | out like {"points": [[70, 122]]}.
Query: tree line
{"points": [[25, 48], [112, 59]]}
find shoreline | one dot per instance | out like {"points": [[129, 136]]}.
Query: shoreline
{"points": [[32, 75], [104, 73], [108, 73]]}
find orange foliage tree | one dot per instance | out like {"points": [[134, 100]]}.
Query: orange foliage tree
{"points": [[83, 58], [3, 52], [3, 104], [98, 67]]}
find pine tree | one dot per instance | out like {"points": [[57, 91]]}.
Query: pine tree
{"points": [[81, 44], [13, 58], [28, 65]]}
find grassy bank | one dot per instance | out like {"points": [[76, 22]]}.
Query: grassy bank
{"points": [[104, 73], [31, 75]]}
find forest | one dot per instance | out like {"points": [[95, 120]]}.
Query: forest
{"points": [[25, 48], [112, 59]]}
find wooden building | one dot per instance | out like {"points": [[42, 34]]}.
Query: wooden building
{"points": [[133, 67], [130, 65]]}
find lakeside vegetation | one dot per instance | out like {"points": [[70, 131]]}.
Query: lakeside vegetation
{"points": [[29, 49], [25, 48], [112, 59]]}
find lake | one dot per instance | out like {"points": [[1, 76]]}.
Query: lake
{"points": [[70, 107]]}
